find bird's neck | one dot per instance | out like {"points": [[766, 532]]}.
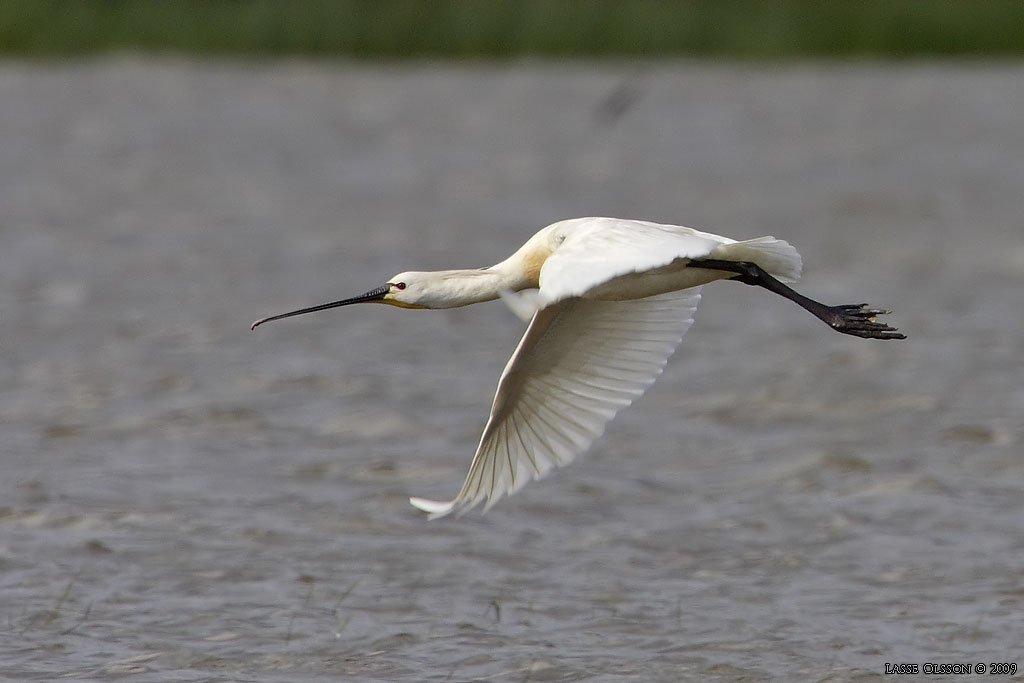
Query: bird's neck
{"points": [[455, 288], [519, 271]]}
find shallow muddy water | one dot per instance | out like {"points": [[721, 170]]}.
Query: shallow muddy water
{"points": [[182, 499]]}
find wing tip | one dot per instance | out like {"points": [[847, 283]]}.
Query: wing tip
{"points": [[435, 509]]}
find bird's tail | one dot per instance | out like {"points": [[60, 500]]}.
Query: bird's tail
{"points": [[778, 257]]}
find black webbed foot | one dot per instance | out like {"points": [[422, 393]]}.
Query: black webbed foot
{"points": [[859, 320]]}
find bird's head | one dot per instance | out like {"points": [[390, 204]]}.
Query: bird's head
{"points": [[411, 289]]}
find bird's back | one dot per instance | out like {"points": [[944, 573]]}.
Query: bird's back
{"points": [[617, 259]]}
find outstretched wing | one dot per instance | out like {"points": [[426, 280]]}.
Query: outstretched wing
{"points": [[579, 363]]}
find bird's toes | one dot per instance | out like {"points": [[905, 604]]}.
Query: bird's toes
{"points": [[862, 310], [859, 320]]}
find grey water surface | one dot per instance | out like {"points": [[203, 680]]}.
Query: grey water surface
{"points": [[182, 499]]}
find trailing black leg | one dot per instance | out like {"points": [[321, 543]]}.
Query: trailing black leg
{"points": [[855, 319]]}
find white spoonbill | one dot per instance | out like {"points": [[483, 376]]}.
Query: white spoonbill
{"points": [[608, 300]]}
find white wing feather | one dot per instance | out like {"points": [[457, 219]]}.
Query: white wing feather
{"points": [[579, 363], [597, 250]]}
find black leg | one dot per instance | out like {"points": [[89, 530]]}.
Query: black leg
{"points": [[855, 319]]}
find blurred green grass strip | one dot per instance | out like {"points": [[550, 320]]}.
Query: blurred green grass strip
{"points": [[399, 29]]}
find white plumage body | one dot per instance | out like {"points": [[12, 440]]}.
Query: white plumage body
{"points": [[613, 300], [607, 300]]}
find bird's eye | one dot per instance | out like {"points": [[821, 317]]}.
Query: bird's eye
{"points": [[399, 285]]}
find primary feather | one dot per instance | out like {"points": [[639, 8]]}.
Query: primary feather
{"points": [[578, 364]]}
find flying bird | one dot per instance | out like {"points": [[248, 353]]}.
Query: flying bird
{"points": [[607, 300]]}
